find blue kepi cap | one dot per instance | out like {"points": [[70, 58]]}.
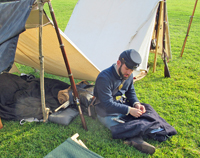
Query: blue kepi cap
{"points": [[131, 58]]}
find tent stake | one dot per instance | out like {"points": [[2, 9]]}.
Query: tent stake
{"points": [[188, 30], [45, 110], [76, 97]]}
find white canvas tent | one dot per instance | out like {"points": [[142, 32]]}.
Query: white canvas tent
{"points": [[27, 52], [102, 29]]}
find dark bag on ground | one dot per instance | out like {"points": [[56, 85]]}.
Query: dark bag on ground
{"points": [[63, 117]]}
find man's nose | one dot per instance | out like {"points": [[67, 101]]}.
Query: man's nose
{"points": [[129, 71]]}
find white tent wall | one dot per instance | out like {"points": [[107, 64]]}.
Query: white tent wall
{"points": [[27, 52], [102, 29]]}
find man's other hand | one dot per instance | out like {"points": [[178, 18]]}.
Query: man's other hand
{"points": [[140, 106]]}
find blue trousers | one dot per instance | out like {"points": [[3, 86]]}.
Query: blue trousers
{"points": [[108, 120]]}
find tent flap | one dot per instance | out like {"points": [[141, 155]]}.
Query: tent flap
{"points": [[12, 23], [7, 53]]}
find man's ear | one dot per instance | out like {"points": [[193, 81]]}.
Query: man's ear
{"points": [[118, 62]]}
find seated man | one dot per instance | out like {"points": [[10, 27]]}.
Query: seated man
{"points": [[111, 84]]}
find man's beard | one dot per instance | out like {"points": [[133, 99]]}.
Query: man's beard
{"points": [[121, 75]]}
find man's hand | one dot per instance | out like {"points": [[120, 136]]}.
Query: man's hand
{"points": [[135, 112], [140, 106]]}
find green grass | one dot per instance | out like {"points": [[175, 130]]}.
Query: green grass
{"points": [[176, 99]]}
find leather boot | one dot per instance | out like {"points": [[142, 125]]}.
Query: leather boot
{"points": [[140, 145]]}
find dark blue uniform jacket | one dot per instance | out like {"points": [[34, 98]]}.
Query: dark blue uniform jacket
{"points": [[106, 82]]}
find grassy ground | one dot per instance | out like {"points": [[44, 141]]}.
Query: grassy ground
{"points": [[176, 99]]}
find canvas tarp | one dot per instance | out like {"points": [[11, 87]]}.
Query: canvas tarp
{"points": [[102, 29], [12, 23], [27, 51]]}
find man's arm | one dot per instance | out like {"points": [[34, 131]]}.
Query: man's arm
{"points": [[103, 91]]}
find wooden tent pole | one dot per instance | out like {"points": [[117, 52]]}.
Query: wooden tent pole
{"points": [[188, 30], [167, 38], [158, 33], [76, 97], [45, 110]]}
